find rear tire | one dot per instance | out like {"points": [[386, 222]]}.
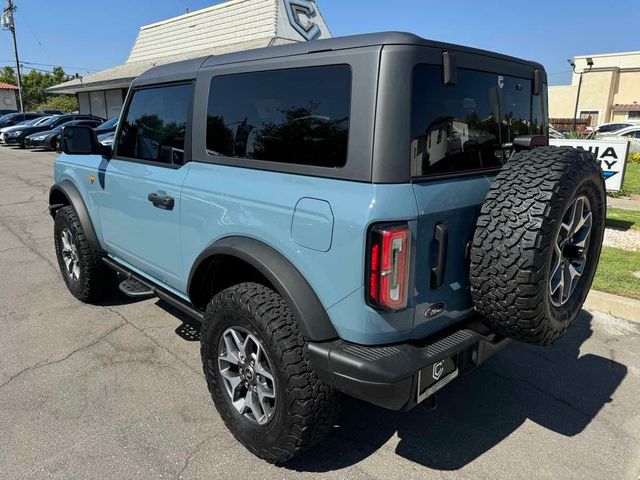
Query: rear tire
{"points": [[304, 407], [81, 266], [516, 268]]}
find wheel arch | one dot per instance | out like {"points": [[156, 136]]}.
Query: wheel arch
{"points": [[260, 262], [66, 193]]}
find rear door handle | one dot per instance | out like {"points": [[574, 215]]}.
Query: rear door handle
{"points": [[164, 202], [441, 237]]}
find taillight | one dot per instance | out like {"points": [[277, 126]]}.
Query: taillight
{"points": [[388, 257]]}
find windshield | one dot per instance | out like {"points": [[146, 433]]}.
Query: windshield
{"points": [[108, 124], [40, 120], [7, 117], [48, 121], [33, 121]]}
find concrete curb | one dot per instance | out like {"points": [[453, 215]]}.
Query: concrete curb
{"points": [[623, 203], [620, 307]]}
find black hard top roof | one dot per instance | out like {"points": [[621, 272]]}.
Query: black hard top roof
{"points": [[188, 68]]}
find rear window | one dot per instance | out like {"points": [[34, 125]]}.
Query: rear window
{"points": [[463, 127], [297, 116]]}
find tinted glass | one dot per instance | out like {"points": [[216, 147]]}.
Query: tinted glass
{"points": [[463, 127], [109, 123], [296, 116], [155, 125], [49, 122]]}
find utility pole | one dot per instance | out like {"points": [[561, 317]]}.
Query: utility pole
{"points": [[8, 24]]}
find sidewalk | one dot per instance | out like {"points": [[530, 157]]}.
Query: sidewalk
{"points": [[624, 203]]}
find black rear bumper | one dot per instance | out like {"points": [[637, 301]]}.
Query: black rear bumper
{"points": [[390, 376]]}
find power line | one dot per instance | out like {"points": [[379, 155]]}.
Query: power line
{"points": [[22, 62]]}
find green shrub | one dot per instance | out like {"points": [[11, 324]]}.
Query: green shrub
{"points": [[634, 158], [65, 103]]}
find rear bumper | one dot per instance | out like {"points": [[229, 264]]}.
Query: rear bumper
{"points": [[394, 376]]}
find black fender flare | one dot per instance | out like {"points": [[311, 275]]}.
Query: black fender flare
{"points": [[284, 277], [73, 197]]}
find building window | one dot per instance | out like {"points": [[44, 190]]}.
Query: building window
{"points": [[590, 116], [298, 116], [635, 115]]}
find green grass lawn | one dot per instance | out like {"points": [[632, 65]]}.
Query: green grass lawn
{"points": [[632, 179], [615, 271], [623, 219]]}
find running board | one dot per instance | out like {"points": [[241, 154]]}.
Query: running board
{"points": [[153, 289]]}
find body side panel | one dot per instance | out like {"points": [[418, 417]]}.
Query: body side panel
{"points": [[220, 201]]}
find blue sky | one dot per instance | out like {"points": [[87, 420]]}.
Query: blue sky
{"points": [[77, 36]]}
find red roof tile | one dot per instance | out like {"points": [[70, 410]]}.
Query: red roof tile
{"points": [[621, 107], [7, 86]]}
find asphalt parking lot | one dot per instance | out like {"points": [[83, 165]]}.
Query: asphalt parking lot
{"points": [[116, 391]]}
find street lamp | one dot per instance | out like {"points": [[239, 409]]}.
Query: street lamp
{"points": [[573, 66]]}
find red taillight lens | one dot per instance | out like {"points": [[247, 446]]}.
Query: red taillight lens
{"points": [[388, 268]]}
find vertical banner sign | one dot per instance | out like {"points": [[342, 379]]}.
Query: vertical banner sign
{"points": [[611, 154]]}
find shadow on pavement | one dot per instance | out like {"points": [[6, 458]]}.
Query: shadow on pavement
{"points": [[554, 387]]}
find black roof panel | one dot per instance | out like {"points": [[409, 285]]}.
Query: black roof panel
{"points": [[189, 68]]}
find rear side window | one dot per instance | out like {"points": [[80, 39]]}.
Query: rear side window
{"points": [[155, 125], [463, 127], [297, 116]]}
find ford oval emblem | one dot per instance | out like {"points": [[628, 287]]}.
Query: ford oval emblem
{"points": [[434, 310]]}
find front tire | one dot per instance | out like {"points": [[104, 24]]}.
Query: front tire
{"points": [[84, 274], [251, 343]]}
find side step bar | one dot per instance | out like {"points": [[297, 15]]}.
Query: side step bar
{"points": [[161, 293]]}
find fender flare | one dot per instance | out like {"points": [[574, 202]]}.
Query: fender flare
{"points": [[284, 277], [73, 197]]}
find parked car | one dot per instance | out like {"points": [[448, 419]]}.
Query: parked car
{"points": [[610, 127], [15, 118], [34, 121], [324, 236], [106, 139], [50, 139], [108, 127], [17, 137], [632, 134], [555, 133], [51, 112], [5, 111]]}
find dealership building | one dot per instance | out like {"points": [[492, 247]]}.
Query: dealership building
{"points": [[610, 89], [227, 27]]}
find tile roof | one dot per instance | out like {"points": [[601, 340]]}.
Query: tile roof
{"points": [[625, 107], [231, 26], [7, 86]]}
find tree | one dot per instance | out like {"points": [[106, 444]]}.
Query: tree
{"points": [[34, 84], [65, 103], [8, 75]]}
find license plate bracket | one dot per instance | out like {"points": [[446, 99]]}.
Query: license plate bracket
{"points": [[436, 376]]}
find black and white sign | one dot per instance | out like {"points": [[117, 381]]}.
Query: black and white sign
{"points": [[611, 154]]}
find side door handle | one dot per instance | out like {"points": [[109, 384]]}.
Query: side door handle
{"points": [[163, 202], [441, 238]]}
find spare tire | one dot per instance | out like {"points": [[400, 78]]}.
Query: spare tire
{"points": [[537, 243]]}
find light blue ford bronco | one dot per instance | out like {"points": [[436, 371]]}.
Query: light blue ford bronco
{"points": [[372, 215]]}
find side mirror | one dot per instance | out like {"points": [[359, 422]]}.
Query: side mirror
{"points": [[82, 140]]}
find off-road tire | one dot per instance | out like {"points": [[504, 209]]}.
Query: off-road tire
{"points": [[96, 281], [512, 248], [306, 407]]}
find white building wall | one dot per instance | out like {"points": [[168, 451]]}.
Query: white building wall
{"points": [[8, 100], [222, 25]]}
